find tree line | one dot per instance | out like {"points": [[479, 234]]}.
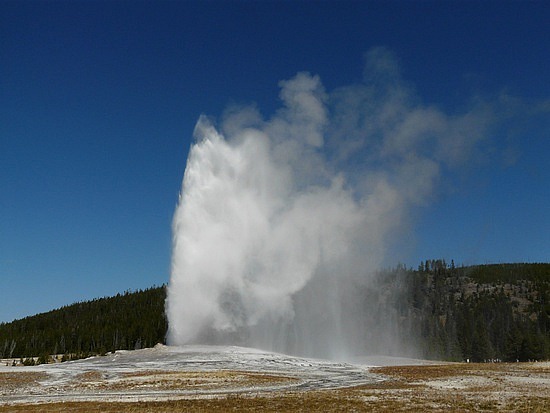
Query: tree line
{"points": [[475, 313], [127, 321]]}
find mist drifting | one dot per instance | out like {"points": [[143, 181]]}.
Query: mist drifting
{"points": [[280, 219]]}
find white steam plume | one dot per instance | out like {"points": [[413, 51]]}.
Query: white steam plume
{"points": [[278, 219]]}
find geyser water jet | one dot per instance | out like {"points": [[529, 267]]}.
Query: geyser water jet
{"points": [[280, 219]]}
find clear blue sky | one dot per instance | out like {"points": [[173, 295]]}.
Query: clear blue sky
{"points": [[99, 101]]}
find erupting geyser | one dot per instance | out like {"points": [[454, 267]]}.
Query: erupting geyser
{"points": [[279, 219]]}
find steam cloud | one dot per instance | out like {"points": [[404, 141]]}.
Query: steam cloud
{"points": [[279, 219]]}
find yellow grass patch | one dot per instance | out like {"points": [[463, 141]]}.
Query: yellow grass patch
{"points": [[16, 380], [457, 387]]}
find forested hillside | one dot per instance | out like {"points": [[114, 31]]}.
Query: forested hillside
{"points": [[126, 321], [476, 313]]}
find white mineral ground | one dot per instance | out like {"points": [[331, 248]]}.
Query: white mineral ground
{"points": [[167, 373], [190, 372]]}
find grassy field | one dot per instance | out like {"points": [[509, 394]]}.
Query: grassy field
{"points": [[519, 387]]}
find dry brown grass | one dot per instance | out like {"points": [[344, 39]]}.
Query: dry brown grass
{"points": [[17, 380], [430, 372], [192, 380], [295, 402], [437, 388], [318, 401]]}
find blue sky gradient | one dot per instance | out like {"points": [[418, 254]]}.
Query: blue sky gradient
{"points": [[99, 101]]}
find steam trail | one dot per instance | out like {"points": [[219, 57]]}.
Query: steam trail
{"points": [[279, 218]]}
